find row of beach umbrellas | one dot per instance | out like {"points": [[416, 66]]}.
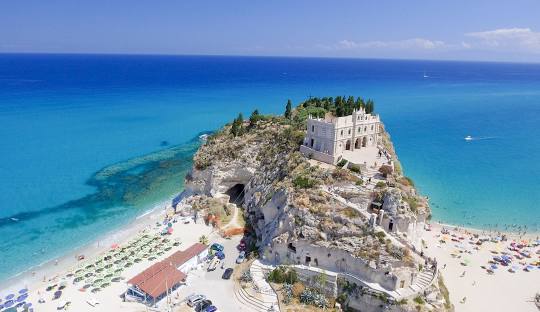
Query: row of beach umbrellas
{"points": [[107, 269]]}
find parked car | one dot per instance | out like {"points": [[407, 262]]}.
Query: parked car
{"points": [[241, 257], [227, 274], [217, 247], [213, 264], [202, 305], [210, 309], [192, 300], [220, 255], [241, 246]]}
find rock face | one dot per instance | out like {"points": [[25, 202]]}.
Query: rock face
{"points": [[392, 201], [219, 178], [290, 202]]}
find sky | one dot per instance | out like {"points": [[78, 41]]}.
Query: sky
{"points": [[414, 29]]}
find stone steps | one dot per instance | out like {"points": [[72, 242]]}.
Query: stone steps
{"points": [[422, 281], [257, 273], [253, 303]]}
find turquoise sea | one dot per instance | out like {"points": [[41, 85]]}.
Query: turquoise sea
{"points": [[90, 142]]}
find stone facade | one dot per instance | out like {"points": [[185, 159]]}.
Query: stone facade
{"points": [[327, 138], [339, 261]]}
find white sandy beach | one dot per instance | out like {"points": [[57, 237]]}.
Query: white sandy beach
{"points": [[501, 291], [109, 297]]}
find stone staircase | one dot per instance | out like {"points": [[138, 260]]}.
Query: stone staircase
{"points": [[249, 301], [266, 299], [421, 282]]}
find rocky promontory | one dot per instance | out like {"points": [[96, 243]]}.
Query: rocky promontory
{"points": [[306, 213]]}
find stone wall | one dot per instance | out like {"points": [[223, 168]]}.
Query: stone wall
{"points": [[331, 259]]}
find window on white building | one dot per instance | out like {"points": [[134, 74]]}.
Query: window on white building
{"points": [[312, 128]]}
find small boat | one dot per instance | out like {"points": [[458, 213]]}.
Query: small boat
{"points": [[468, 138], [14, 219], [425, 75]]}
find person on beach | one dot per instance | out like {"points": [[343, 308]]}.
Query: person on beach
{"points": [[463, 274]]}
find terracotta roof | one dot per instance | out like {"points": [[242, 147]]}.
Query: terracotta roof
{"points": [[155, 279], [181, 257]]}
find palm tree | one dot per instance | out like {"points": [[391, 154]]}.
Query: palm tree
{"points": [[203, 240]]}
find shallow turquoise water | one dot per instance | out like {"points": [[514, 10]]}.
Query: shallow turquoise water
{"points": [[66, 118]]}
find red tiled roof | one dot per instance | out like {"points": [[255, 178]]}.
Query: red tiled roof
{"points": [[180, 257], [155, 280]]}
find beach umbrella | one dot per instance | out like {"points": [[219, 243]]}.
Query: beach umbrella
{"points": [[22, 298], [494, 267], [9, 303], [23, 291], [57, 294], [529, 268], [10, 296]]}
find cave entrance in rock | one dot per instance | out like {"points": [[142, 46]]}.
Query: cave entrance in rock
{"points": [[236, 194]]}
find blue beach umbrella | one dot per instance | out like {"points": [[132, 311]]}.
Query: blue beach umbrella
{"points": [[23, 291], [494, 267], [8, 303], [10, 296], [22, 298]]}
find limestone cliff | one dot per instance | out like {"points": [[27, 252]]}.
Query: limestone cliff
{"points": [[293, 202]]}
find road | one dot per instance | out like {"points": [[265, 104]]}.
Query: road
{"points": [[210, 284]]}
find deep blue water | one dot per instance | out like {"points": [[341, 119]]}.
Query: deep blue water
{"points": [[82, 135]]}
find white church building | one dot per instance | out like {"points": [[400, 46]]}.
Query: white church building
{"points": [[327, 139]]}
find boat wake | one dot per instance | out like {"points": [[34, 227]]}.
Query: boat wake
{"points": [[470, 138]]}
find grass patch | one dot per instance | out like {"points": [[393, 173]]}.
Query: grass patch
{"points": [[303, 182], [380, 184], [351, 213], [354, 168], [445, 293], [419, 300]]}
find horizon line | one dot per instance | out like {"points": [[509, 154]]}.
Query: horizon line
{"points": [[272, 56]]}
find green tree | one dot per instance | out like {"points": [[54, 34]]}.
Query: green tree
{"points": [[370, 106], [288, 109], [254, 118], [237, 127], [359, 103]]}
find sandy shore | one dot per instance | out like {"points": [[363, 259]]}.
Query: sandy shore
{"points": [[37, 279], [48, 270], [461, 262]]}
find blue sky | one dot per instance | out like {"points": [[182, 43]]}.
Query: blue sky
{"points": [[468, 30]]}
